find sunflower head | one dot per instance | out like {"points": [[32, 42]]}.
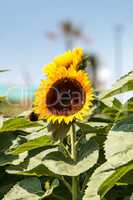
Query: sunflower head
{"points": [[70, 59], [64, 97]]}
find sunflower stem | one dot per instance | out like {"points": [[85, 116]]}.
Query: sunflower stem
{"points": [[74, 157]]}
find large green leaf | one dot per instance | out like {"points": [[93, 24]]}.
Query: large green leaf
{"points": [[95, 181], [124, 84], [33, 144], [32, 165], [119, 143], [119, 148], [27, 189], [17, 124], [59, 164], [112, 180]]}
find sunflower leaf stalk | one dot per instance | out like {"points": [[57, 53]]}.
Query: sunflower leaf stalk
{"points": [[74, 157]]}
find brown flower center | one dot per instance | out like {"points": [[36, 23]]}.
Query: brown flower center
{"points": [[65, 97]]}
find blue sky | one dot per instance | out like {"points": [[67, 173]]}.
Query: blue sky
{"points": [[24, 48]]}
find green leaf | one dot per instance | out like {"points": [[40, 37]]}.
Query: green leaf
{"points": [[111, 181], [126, 179], [59, 164], [117, 104], [6, 142], [119, 143], [125, 110], [124, 84], [27, 189], [105, 111], [7, 182], [125, 125], [38, 171], [42, 141], [95, 181], [129, 105], [119, 148], [32, 165], [17, 124], [93, 127], [14, 160]]}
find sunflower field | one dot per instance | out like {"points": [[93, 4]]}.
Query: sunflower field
{"points": [[75, 143]]}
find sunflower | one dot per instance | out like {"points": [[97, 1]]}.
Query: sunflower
{"points": [[70, 59], [64, 97]]}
